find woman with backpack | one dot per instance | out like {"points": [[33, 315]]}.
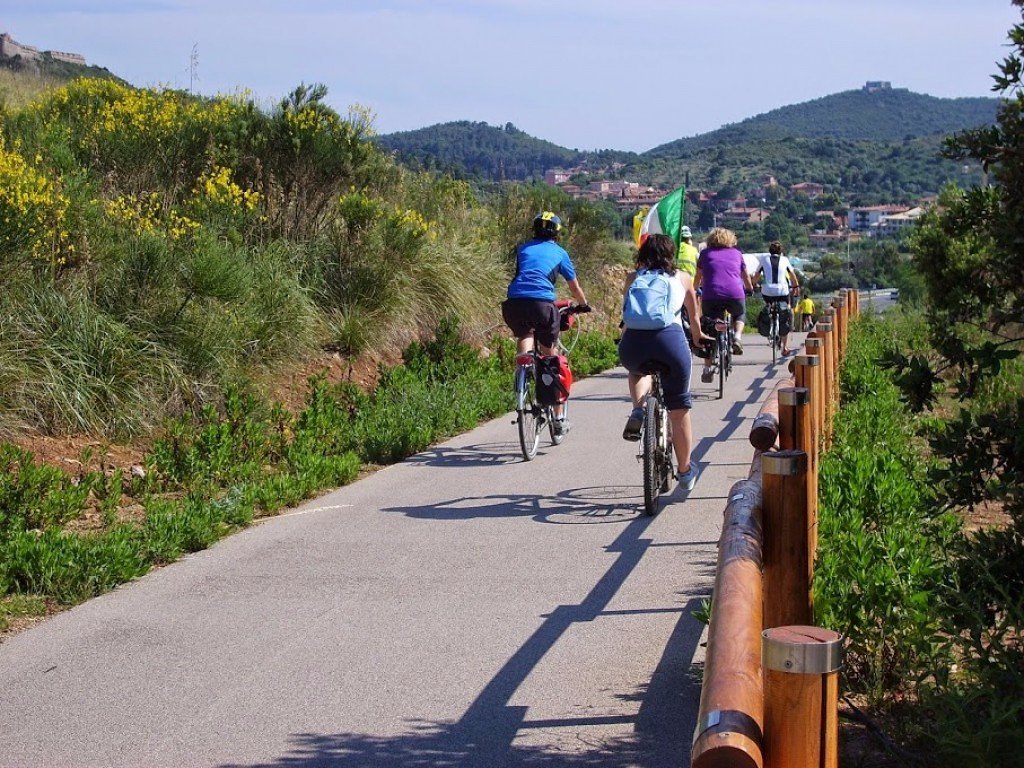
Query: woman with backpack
{"points": [[653, 300]]}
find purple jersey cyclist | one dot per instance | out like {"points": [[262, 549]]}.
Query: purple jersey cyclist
{"points": [[725, 284]]}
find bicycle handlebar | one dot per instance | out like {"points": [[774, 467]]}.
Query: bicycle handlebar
{"points": [[575, 309]]}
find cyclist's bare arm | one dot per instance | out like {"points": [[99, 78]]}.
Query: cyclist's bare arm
{"points": [[794, 282], [747, 284], [577, 291]]}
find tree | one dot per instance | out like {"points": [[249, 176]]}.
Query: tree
{"points": [[970, 251]]}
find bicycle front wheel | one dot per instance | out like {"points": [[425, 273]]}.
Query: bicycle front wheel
{"points": [[652, 442], [665, 459], [528, 413]]}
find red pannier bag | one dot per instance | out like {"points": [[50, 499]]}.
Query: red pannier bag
{"points": [[554, 379]]}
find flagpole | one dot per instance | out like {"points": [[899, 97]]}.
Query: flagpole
{"points": [[682, 214]]}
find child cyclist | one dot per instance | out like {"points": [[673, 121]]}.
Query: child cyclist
{"points": [[530, 311]]}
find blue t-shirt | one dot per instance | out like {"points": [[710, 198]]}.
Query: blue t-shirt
{"points": [[538, 264]]}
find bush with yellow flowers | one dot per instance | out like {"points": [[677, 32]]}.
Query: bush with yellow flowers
{"points": [[32, 211], [220, 201]]}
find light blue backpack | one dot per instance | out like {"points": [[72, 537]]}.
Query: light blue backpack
{"points": [[648, 302]]}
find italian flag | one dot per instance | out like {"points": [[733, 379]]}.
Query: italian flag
{"points": [[666, 218]]}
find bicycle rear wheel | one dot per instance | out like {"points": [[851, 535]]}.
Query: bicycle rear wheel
{"points": [[528, 413], [652, 440], [773, 337], [723, 361]]}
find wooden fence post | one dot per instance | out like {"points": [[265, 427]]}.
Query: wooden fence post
{"points": [[815, 347], [839, 303], [807, 372], [801, 687], [795, 408], [784, 504], [825, 332], [794, 418]]}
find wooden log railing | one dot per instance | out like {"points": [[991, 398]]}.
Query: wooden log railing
{"points": [[770, 692]]}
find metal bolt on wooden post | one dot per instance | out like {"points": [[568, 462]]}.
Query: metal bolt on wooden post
{"points": [[784, 505], [801, 687]]}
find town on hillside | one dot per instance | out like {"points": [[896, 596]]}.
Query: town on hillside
{"points": [[841, 225]]}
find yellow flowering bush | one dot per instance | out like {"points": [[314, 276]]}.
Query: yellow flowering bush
{"points": [[218, 197], [33, 212], [147, 214]]}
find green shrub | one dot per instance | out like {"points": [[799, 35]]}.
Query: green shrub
{"points": [[35, 496], [883, 543]]}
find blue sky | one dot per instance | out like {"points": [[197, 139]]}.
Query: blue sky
{"points": [[587, 74]]}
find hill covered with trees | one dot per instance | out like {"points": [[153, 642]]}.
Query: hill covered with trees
{"points": [[489, 152], [873, 146], [887, 115]]}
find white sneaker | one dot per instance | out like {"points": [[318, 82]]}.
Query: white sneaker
{"points": [[688, 478]]}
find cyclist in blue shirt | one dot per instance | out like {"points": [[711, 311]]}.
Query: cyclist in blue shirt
{"points": [[529, 311], [530, 308]]}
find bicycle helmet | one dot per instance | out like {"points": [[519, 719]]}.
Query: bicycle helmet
{"points": [[546, 225]]}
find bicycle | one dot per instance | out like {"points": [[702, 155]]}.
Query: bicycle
{"points": [[721, 352], [531, 416], [655, 444], [774, 339]]}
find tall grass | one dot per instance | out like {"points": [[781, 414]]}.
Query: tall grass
{"points": [[214, 471]]}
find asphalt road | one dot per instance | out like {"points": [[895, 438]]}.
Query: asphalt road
{"points": [[462, 608]]}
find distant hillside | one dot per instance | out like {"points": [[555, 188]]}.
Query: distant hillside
{"points": [[884, 115], [879, 145], [489, 152], [861, 171]]}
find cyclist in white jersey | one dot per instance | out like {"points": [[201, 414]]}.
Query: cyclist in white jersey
{"points": [[778, 282]]}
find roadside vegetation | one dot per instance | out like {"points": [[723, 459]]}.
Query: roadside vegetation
{"points": [[922, 506], [170, 262]]}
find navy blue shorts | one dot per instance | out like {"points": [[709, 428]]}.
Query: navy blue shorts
{"points": [[532, 317], [669, 351]]}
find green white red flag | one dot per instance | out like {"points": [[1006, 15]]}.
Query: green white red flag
{"points": [[666, 218]]}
